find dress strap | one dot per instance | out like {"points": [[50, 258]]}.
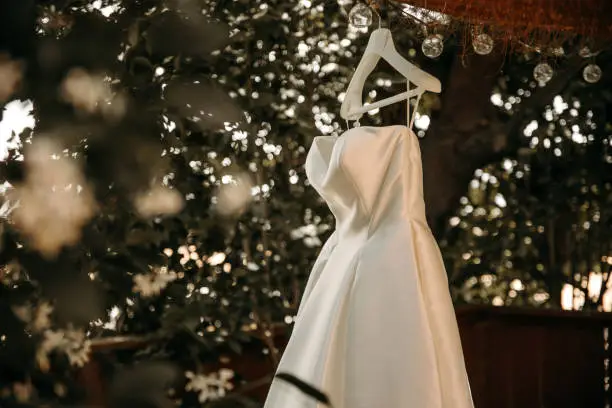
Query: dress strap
{"points": [[410, 118], [416, 106]]}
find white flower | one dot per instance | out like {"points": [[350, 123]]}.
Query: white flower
{"points": [[23, 391], [85, 91], [38, 319], [91, 93], [54, 201], [234, 194], [71, 342], [158, 201], [151, 284], [212, 386], [309, 234], [41, 318], [10, 76]]}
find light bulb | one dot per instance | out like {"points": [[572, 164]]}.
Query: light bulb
{"points": [[592, 73], [360, 16], [543, 73], [482, 43], [433, 46]]}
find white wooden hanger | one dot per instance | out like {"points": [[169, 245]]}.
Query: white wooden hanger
{"points": [[381, 46]]}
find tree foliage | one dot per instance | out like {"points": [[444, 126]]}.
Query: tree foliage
{"points": [[160, 191], [536, 221]]}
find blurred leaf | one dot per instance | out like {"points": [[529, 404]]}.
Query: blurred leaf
{"points": [[143, 385], [235, 346], [78, 301], [191, 34], [202, 102]]}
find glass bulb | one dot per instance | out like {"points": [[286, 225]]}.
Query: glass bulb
{"points": [[433, 46], [585, 52], [360, 16], [482, 43], [543, 73], [592, 73]]}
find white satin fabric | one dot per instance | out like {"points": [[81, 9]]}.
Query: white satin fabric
{"points": [[376, 326]]}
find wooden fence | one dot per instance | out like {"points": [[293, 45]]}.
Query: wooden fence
{"points": [[516, 358], [524, 358]]}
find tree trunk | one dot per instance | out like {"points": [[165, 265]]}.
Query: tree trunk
{"points": [[463, 135]]}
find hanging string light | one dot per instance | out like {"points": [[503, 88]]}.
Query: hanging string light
{"points": [[482, 44], [592, 73], [487, 30], [360, 16], [485, 24], [532, 21], [433, 45], [543, 73]]}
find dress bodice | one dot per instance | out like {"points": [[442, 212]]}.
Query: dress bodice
{"points": [[368, 176]]}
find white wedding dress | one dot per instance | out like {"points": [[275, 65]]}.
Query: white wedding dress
{"points": [[376, 326]]}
